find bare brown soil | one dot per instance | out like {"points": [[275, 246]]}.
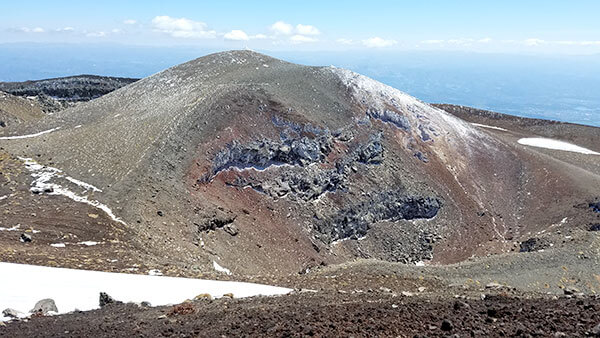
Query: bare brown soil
{"points": [[327, 315]]}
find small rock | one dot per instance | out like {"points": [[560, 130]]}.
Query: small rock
{"points": [[492, 312], [494, 285], [12, 313], [422, 289], [228, 295], [407, 294], [458, 305], [146, 304], [559, 334], [447, 325], [596, 331], [382, 289], [25, 238], [160, 213], [203, 296], [394, 306], [105, 299], [93, 215], [231, 229], [570, 290], [44, 306], [594, 227]]}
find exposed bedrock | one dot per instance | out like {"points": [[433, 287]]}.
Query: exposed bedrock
{"points": [[355, 220], [264, 153], [297, 183], [389, 116], [294, 177], [212, 219]]}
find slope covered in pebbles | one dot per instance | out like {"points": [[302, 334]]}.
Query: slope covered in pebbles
{"points": [[266, 167]]}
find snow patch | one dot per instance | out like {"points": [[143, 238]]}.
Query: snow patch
{"points": [[82, 184], [58, 245], [488, 127], [43, 175], [14, 228], [80, 289], [219, 268], [553, 144], [30, 135], [155, 272], [88, 243]]}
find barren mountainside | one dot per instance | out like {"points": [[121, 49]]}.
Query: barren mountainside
{"points": [[266, 167]]}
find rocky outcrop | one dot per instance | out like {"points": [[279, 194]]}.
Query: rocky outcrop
{"points": [[72, 88], [297, 180], [262, 154], [354, 221], [534, 244], [304, 184], [389, 116], [215, 219]]}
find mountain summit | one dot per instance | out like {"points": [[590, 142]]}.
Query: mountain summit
{"points": [[254, 165]]}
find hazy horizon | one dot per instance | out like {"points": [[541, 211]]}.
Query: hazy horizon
{"points": [[557, 87]]}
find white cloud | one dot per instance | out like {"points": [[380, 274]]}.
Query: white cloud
{"points": [[433, 42], [578, 43], [302, 39], [236, 35], [130, 22], [31, 30], [307, 30], [281, 28], [182, 27], [539, 42], [115, 31], [96, 34], [534, 42], [345, 41], [65, 29], [378, 42], [259, 37], [461, 42]]}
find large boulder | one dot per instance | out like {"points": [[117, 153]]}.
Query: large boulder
{"points": [[534, 244], [105, 299], [45, 306], [12, 313]]}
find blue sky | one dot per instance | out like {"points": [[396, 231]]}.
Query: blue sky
{"points": [[569, 27]]}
